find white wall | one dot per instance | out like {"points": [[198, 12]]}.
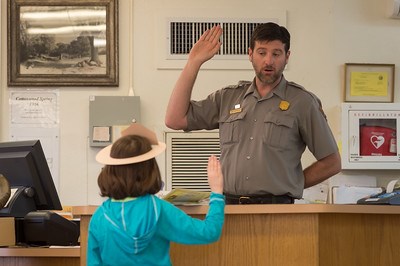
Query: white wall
{"points": [[325, 35]]}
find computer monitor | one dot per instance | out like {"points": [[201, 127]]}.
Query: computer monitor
{"points": [[24, 165]]}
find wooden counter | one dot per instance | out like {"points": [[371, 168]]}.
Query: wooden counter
{"points": [[68, 256], [299, 234]]}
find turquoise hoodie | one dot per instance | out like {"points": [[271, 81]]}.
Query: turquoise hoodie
{"points": [[139, 231]]}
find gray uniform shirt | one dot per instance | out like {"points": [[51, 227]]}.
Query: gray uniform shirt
{"points": [[262, 139]]}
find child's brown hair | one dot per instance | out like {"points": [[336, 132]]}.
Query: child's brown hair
{"points": [[130, 180]]}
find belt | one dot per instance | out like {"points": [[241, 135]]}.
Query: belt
{"points": [[258, 199]]}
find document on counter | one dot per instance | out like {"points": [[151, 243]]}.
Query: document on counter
{"points": [[350, 194], [187, 197]]}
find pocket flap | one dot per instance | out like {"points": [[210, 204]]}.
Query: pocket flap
{"points": [[279, 120]]}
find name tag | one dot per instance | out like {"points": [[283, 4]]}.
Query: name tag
{"points": [[234, 111]]}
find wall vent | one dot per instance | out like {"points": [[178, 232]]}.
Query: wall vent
{"points": [[235, 39], [177, 29], [187, 157]]}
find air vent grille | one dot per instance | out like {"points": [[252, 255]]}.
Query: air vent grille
{"points": [[187, 157], [235, 38], [179, 29]]}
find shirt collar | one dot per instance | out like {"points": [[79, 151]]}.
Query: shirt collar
{"points": [[123, 200], [251, 89], [279, 90]]}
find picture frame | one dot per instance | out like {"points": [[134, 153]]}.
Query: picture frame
{"points": [[369, 82], [62, 43]]}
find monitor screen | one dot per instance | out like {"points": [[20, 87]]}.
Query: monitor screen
{"points": [[24, 165]]}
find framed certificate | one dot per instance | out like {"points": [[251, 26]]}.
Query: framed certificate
{"points": [[369, 82]]}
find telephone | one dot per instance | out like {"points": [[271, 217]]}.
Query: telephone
{"points": [[383, 198]]}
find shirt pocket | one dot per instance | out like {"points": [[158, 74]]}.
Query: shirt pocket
{"points": [[277, 130], [229, 128]]}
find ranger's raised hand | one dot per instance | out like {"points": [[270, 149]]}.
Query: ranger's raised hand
{"points": [[207, 46]]}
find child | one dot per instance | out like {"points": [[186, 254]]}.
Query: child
{"points": [[134, 227]]}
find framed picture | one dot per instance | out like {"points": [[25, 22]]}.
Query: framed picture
{"points": [[369, 82], [62, 42]]}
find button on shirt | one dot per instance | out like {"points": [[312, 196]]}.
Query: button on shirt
{"points": [[261, 140]]}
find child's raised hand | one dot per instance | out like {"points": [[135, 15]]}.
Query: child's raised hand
{"points": [[215, 177]]}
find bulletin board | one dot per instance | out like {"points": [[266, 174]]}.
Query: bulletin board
{"points": [[109, 115], [34, 115]]}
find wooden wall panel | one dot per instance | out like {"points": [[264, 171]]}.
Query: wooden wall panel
{"points": [[359, 239], [257, 239]]}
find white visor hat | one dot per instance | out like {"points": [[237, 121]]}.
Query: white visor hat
{"points": [[157, 147]]}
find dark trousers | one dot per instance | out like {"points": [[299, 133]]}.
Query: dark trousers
{"points": [[258, 199]]}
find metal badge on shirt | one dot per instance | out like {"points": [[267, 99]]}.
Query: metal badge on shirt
{"points": [[236, 110]]}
